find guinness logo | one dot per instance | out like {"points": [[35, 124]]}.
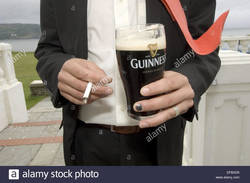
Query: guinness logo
{"points": [[153, 49]]}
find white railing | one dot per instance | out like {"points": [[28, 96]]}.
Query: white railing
{"points": [[12, 102], [222, 134], [236, 43]]}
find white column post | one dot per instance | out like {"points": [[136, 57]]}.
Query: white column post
{"points": [[12, 89], [221, 136], [3, 109]]}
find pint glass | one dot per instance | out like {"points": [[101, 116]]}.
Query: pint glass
{"points": [[141, 56]]}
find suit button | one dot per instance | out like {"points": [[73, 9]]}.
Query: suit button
{"points": [[100, 132], [72, 107], [185, 7], [44, 33], [129, 157], [73, 157], [73, 8]]}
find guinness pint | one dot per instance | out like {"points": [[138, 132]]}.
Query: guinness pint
{"points": [[141, 56]]}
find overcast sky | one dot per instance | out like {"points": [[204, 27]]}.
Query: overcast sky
{"points": [[12, 11]]}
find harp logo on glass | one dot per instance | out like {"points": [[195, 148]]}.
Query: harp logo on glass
{"points": [[154, 59]]}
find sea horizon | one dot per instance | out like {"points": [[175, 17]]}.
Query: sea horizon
{"points": [[29, 45]]}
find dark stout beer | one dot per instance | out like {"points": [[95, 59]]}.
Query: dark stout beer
{"points": [[141, 57]]}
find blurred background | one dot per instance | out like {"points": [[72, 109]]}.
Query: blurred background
{"points": [[29, 133]]}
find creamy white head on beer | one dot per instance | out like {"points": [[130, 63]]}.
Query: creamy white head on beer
{"points": [[134, 40]]}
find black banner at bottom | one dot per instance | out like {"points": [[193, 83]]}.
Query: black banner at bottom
{"points": [[126, 174]]}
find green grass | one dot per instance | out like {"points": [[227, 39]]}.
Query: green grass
{"points": [[25, 67]]}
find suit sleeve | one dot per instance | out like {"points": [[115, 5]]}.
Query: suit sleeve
{"points": [[50, 53], [201, 70]]}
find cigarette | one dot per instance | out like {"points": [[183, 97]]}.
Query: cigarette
{"points": [[87, 93]]}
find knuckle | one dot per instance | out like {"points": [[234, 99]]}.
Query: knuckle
{"points": [[79, 86], [65, 65], [150, 105], [185, 111], [171, 114], [168, 100], [86, 64], [165, 74], [62, 93], [162, 119], [68, 63], [103, 73], [185, 79], [60, 76], [170, 83], [192, 94], [191, 103], [59, 85], [84, 75], [79, 95]]}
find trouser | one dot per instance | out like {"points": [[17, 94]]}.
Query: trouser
{"points": [[93, 145], [100, 146]]}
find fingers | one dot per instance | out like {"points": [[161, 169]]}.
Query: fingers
{"points": [[66, 78], [71, 91], [164, 101], [173, 89], [74, 77], [79, 101], [170, 82], [166, 115], [88, 75], [76, 96], [71, 98]]}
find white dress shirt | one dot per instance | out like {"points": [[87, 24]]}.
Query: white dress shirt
{"points": [[103, 18]]}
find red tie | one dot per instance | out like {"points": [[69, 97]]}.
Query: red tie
{"points": [[209, 41]]}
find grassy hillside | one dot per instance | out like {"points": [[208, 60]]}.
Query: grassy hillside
{"points": [[19, 31], [25, 68]]}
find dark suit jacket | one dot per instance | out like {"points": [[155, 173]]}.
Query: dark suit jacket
{"points": [[64, 36]]}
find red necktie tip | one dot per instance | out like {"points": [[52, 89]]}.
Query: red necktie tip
{"points": [[206, 43]]}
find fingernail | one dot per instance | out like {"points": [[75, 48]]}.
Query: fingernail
{"points": [[144, 91], [109, 91], [105, 80], [138, 107], [143, 125], [109, 79]]}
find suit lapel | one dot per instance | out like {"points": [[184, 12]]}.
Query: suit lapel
{"points": [[81, 34]]}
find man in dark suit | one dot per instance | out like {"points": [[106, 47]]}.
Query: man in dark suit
{"points": [[66, 45]]}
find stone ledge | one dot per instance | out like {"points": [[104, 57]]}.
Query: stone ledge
{"points": [[37, 88]]}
